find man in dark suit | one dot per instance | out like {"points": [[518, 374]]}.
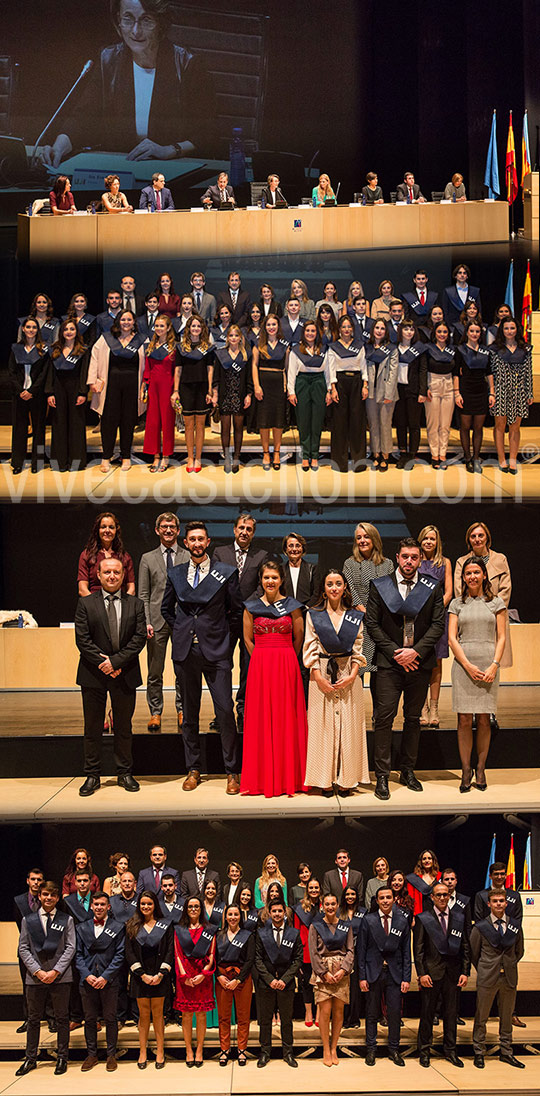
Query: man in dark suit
{"points": [[202, 604], [497, 874], [150, 878], [496, 949], [420, 300], [131, 300], [153, 570], [47, 949], [278, 959], [156, 196], [194, 880], [362, 323], [100, 957], [205, 303], [247, 559], [408, 190], [292, 327], [456, 297], [443, 965], [405, 618], [110, 632], [384, 965], [219, 192], [105, 320], [396, 317], [337, 879], [236, 298], [299, 575], [24, 904], [145, 323]]}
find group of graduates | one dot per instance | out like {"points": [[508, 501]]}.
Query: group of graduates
{"points": [[170, 943]]}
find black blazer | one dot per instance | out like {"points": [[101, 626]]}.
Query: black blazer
{"points": [[243, 301], [249, 581], [93, 640], [514, 908], [386, 628], [267, 195], [38, 372], [402, 192], [429, 960], [212, 623], [214, 193], [332, 882], [286, 967], [189, 885], [306, 582], [140, 307], [275, 308]]}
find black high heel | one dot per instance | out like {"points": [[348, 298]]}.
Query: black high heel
{"points": [[480, 786], [464, 786]]}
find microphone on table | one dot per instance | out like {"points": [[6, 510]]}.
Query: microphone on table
{"points": [[84, 72], [337, 190]]}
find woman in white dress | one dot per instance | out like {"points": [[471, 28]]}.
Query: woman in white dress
{"points": [[337, 749]]}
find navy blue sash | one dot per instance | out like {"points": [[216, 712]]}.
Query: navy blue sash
{"points": [[174, 914], [202, 947], [218, 336], [411, 606], [158, 932], [22, 357], [236, 364], [462, 901], [356, 921], [216, 916], [46, 945], [507, 940], [377, 354], [208, 587], [113, 929], [345, 352], [417, 882], [311, 361], [305, 916], [337, 643], [449, 944], [119, 351], [66, 363], [456, 300], [78, 911], [475, 359], [516, 358], [284, 607], [85, 321], [398, 929], [447, 355], [288, 940], [159, 353], [121, 911], [276, 354], [408, 356], [193, 355], [332, 940], [229, 951], [48, 330], [251, 919]]}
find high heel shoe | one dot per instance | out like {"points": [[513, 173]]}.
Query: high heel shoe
{"points": [[159, 1065], [466, 784], [142, 1065], [481, 785]]}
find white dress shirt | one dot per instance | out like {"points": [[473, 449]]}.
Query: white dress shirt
{"points": [[401, 583], [204, 570], [117, 602], [295, 575]]}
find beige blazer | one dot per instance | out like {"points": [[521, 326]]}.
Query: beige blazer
{"points": [[99, 371], [501, 583]]}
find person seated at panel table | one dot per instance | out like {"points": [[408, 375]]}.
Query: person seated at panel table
{"points": [[145, 96], [323, 191], [271, 193], [156, 196], [372, 193], [113, 199], [408, 190], [454, 191], [61, 198], [220, 192]]}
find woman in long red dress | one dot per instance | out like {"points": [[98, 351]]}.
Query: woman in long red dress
{"points": [[157, 385], [421, 881], [194, 951], [275, 722]]}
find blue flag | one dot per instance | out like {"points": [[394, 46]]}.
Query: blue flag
{"points": [[491, 176], [509, 293], [491, 860]]}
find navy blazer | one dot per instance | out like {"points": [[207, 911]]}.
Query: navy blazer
{"points": [[414, 309], [453, 305], [78, 912], [121, 908], [146, 880], [148, 198], [211, 623], [101, 955], [373, 947]]}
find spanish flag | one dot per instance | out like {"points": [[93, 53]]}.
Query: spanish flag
{"points": [[525, 150], [511, 867], [510, 166], [526, 308]]}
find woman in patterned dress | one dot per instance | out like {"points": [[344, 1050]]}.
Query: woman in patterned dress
{"points": [[511, 360], [337, 750], [195, 965], [438, 566], [233, 388], [366, 563]]}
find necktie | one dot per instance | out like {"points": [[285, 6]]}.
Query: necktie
{"points": [[158, 200], [240, 560], [234, 297], [196, 576], [48, 921], [408, 622], [410, 194], [156, 877], [198, 301], [422, 297], [130, 304], [96, 922], [386, 926], [442, 917], [500, 928], [278, 937], [33, 903], [223, 196], [113, 622], [343, 879], [169, 554]]}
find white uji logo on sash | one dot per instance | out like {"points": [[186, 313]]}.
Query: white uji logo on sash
{"points": [[217, 576]]}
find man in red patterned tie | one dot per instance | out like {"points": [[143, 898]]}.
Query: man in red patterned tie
{"points": [[342, 876], [409, 191]]}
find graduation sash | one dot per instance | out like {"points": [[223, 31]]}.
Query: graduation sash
{"points": [[208, 587], [154, 937], [122, 909], [398, 929], [284, 607], [85, 321], [337, 643], [491, 933], [78, 911], [515, 358], [174, 914], [457, 301], [305, 916], [410, 607], [98, 945], [288, 940], [332, 940], [251, 920], [377, 354], [411, 353], [46, 945], [276, 354], [345, 352], [356, 921], [420, 884], [511, 900], [462, 901], [229, 951], [449, 944], [48, 330], [66, 363], [475, 359], [202, 947], [22, 357], [227, 362], [442, 356], [310, 361], [159, 353], [216, 916], [119, 351]]}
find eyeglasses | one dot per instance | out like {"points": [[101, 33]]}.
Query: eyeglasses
{"points": [[145, 22]]}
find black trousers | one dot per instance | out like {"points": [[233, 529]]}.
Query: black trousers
{"points": [[100, 1003], [76, 1012], [429, 998], [68, 421], [348, 426], [407, 417], [238, 638], [392, 683], [218, 677], [120, 410], [23, 412], [94, 706], [392, 992], [269, 1002], [36, 1000]]}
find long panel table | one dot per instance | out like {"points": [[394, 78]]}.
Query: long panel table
{"points": [[243, 232]]}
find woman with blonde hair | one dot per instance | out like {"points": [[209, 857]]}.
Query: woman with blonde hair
{"points": [[322, 191], [157, 386], [299, 290], [270, 873], [436, 565], [380, 307], [478, 542], [355, 291], [366, 563], [193, 386]]}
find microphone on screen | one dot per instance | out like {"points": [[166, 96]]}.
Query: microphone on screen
{"points": [[83, 73]]}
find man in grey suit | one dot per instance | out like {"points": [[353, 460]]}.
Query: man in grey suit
{"points": [[205, 303], [496, 949], [337, 879], [47, 948], [153, 570]]}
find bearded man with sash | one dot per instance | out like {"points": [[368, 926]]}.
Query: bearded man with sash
{"points": [[496, 949], [278, 959], [331, 949], [202, 605], [47, 949], [405, 618], [100, 958], [442, 961]]}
